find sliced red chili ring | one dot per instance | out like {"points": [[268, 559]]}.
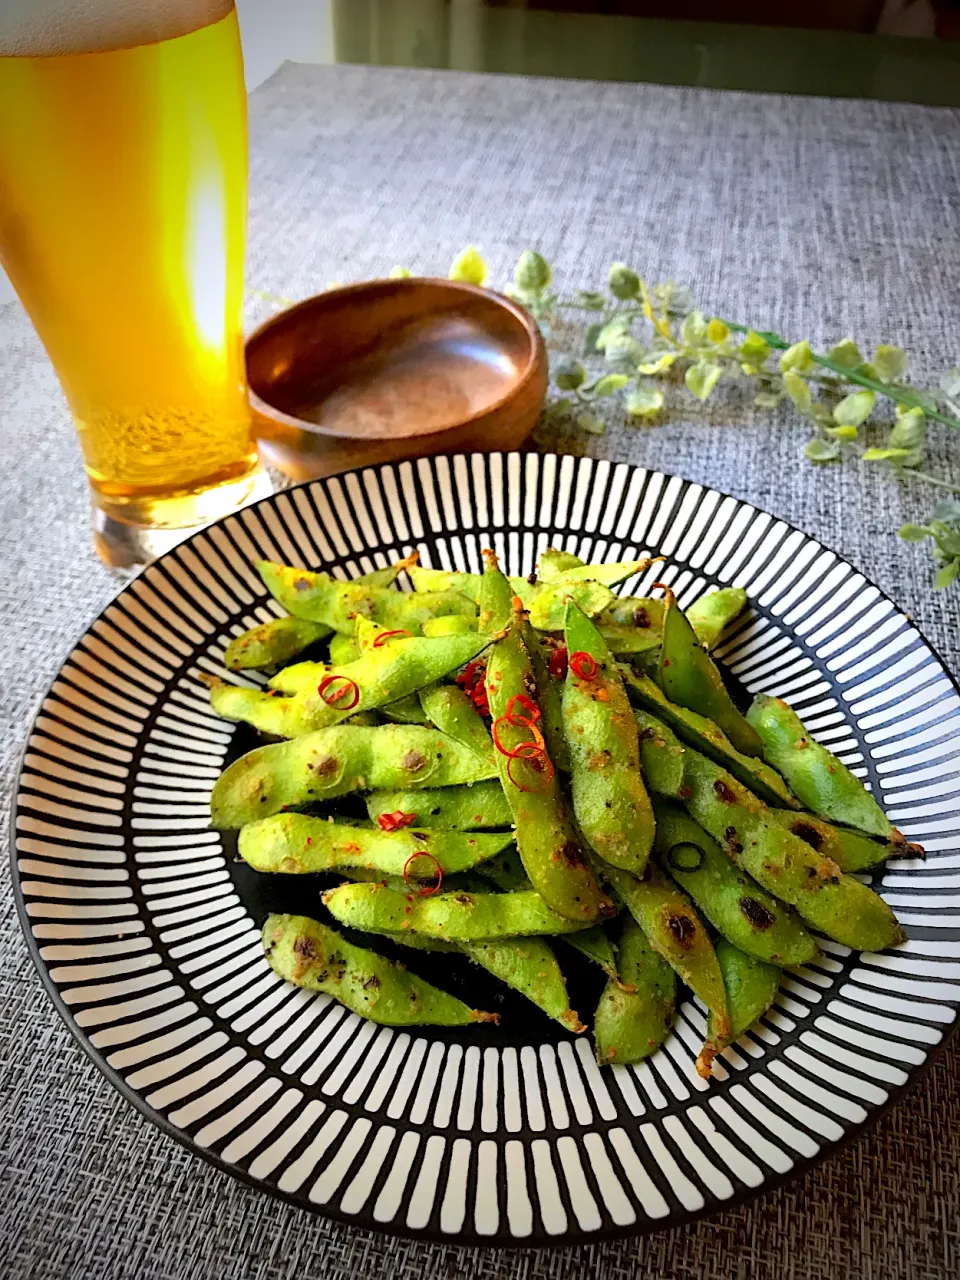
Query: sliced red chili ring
{"points": [[388, 635], [541, 764], [394, 821], [428, 890], [584, 665], [523, 750], [530, 708], [557, 666], [344, 687]]}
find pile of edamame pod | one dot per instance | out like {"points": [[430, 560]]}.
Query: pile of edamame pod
{"points": [[545, 766]]}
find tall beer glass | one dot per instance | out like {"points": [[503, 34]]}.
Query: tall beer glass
{"points": [[123, 167]]}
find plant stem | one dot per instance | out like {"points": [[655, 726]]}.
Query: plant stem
{"points": [[902, 395], [934, 480]]}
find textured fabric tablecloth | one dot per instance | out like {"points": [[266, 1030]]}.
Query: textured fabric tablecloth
{"points": [[816, 217]]}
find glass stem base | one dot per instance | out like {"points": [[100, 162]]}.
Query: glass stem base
{"points": [[126, 544]]}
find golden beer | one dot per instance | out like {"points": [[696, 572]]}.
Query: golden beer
{"points": [[122, 225]]}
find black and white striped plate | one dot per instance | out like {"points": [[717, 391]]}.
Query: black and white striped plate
{"points": [[145, 928]]}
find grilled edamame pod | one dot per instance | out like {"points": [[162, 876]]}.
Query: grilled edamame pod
{"points": [[336, 604], [850, 850], [837, 904], [675, 931], [689, 677], [551, 853], [378, 678], [554, 563], [448, 708], [310, 955], [457, 625], [460, 916], [320, 766], [823, 782], [549, 698], [635, 1011], [611, 804], [294, 843], [712, 613], [463, 808], [735, 905], [751, 987], [703, 735]]}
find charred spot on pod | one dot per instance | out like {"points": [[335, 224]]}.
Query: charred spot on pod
{"points": [[683, 930], [326, 767], [463, 899], [421, 835], [808, 833], [571, 853], [686, 856], [305, 947], [301, 584], [414, 761], [759, 916], [372, 983], [646, 735], [640, 617], [684, 792], [725, 792], [730, 838]]}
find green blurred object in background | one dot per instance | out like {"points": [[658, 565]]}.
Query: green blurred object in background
{"points": [[847, 60]]}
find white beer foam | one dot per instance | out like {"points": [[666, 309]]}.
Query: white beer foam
{"points": [[43, 28]]}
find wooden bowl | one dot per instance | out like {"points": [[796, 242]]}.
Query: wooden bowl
{"points": [[393, 369]]}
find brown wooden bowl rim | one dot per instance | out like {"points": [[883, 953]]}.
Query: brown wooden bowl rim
{"points": [[535, 359]]}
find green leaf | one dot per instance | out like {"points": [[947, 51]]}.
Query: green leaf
{"points": [[590, 423], [909, 430], [798, 358], [798, 389], [948, 510], [947, 574], [855, 409], [818, 450], [623, 349], [767, 400], [717, 331], [644, 401], [590, 300], [694, 329], [469, 267], [913, 532], [532, 274], [614, 328], [673, 298], [846, 353], [590, 341], [658, 365], [950, 383], [754, 350], [569, 374], [702, 377], [609, 384], [623, 282], [885, 455], [400, 273], [842, 433], [889, 363]]}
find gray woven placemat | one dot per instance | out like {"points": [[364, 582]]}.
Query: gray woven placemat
{"points": [[820, 218]]}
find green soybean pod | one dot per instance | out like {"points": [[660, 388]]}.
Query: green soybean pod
{"points": [[735, 905], [837, 904], [506, 871], [460, 916], [641, 613], [294, 843], [551, 854], [689, 677], [751, 987], [550, 698], [849, 849], [378, 678], [823, 782], [610, 802], [661, 756], [594, 945], [457, 625], [528, 966], [711, 614], [553, 563], [272, 643], [675, 931], [466, 584], [703, 735], [310, 955], [635, 1012], [299, 674], [630, 642], [343, 649], [332, 762], [549, 607], [462, 808], [453, 713]]}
